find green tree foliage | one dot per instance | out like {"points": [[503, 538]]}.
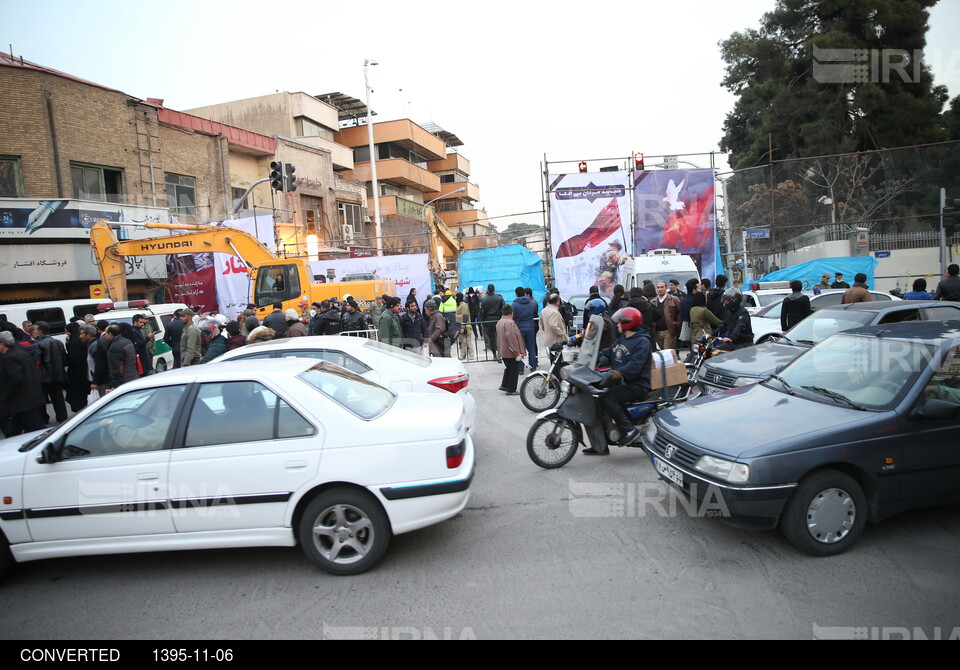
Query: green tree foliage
{"points": [[771, 71]]}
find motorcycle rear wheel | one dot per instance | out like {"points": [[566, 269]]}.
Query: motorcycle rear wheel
{"points": [[538, 394], [552, 441]]}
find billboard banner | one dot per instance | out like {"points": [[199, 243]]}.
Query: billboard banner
{"points": [[674, 209], [407, 271], [68, 218], [233, 282], [589, 223], [193, 281]]}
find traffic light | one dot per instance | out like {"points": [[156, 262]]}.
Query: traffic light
{"points": [[276, 175], [583, 166], [289, 179], [638, 161]]}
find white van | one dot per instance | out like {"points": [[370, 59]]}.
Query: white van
{"points": [[658, 265], [57, 313]]}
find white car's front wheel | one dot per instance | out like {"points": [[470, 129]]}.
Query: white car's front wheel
{"points": [[344, 531]]}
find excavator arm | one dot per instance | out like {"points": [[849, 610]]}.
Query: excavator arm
{"points": [[110, 253]]}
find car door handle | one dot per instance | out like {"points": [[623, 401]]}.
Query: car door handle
{"points": [[295, 465], [148, 476]]}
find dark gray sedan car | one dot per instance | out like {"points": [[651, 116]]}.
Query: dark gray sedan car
{"points": [[750, 365], [859, 427]]}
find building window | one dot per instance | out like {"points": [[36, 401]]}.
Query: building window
{"points": [[447, 178], [310, 128], [181, 194], [96, 182], [236, 194], [11, 180], [350, 214]]}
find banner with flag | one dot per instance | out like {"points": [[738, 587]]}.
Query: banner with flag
{"points": [[589, 223], [674, 209]]}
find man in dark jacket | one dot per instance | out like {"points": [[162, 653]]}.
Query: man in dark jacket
{"points": [[53, 369], [172, 336], [21, 396], [327, 320], [949, 288], [353, 320], [650, 313], [413, 327], [738, 331], [524, 313], [629, 358], [795, 307], [218, 343], [839, 283], [715, 297], [491, 309], [277, 321], [122, 358]]}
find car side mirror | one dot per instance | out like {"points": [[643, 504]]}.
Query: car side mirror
{"points": [[935, 409], [52, 452]]}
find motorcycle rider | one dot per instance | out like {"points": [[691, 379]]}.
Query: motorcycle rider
{"points": [[629, 380], [737, 331]]}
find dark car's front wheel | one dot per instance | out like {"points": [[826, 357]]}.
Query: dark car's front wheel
{"points": [[826, 514]]}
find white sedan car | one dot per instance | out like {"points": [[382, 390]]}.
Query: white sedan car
{"points": [[262, 453], [397, 369], [766, 322]]}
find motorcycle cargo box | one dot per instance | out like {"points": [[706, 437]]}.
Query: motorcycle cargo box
{"points": [[666, 366]]}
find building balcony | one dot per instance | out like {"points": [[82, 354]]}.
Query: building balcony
{"points": [[391, 205], [398, 171], [404, 132], [444, 191], [468, 218], [451, 162]]}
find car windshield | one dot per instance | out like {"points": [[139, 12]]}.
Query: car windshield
{"points": [[355, 394], [857, 371], [399, 354], [821, 325], [768, 299]]}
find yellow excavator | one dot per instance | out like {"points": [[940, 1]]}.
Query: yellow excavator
{"points": [[289, 281]]}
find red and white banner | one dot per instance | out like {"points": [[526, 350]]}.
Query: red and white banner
{"points": [[589, 224], [233, 282]]}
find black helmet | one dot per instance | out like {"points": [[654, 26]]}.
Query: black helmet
{"points": [[732, 298]]}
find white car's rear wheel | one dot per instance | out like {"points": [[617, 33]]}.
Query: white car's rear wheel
{"points": [[344, 531]]}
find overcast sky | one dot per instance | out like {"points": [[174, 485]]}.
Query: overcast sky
{"points": [[514, 80]]}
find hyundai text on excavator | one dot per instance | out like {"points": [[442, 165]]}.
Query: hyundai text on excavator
{"points": [[289, 281]]}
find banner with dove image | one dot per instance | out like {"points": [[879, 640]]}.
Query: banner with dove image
{"points": [[674, 209]]}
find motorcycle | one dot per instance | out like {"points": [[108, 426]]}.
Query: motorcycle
{"points": [[553, 439], [540, 390]]}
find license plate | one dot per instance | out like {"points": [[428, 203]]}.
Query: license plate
{"points": [[669, 472], [710, 390]]}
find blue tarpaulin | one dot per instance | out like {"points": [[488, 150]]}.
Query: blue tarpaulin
{"points": [[506, 267], [811, 271]]}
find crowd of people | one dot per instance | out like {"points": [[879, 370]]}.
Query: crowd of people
{"points": [[37, 369]]}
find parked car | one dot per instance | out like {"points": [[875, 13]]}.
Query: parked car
{"points": [[750, 365], [396, 369], [767, 320], [229, 455], [860, 427]]}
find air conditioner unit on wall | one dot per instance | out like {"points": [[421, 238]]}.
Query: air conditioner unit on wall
{"points": [[347, 230]]}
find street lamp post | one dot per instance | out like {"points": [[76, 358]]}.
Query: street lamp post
{"points": [[373, 159]]}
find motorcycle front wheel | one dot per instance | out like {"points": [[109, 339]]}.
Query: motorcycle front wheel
{"points": [[552, 441], [538, 394]]}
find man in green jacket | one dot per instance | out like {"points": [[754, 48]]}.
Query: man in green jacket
{"points": [[190, 341], [388, 328]]}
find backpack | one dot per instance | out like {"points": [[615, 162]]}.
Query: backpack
{"points": [[453, 327], [567, 311]]}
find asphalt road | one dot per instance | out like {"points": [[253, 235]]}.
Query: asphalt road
{"points": [[592, 550]]}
